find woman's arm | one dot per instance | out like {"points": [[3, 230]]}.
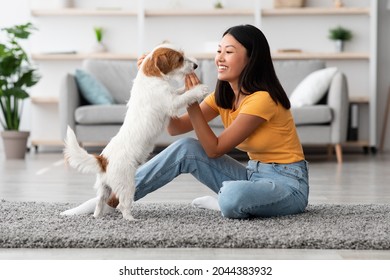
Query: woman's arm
{"points": [[242, 127], [183, 123]]}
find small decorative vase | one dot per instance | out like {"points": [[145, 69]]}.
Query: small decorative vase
{"points": [[65, 3], [338, 3], [15, 143], [339, 45], [99, 47]]}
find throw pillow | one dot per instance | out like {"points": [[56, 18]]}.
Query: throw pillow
{"points": [[312, 88], [92, 90]]}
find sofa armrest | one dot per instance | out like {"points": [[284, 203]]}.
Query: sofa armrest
{"points": [[338, 100], [68, 103]]}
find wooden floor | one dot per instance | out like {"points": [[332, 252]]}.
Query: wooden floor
{"points": [[44, 177]]}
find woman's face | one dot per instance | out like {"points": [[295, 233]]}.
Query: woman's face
{"points": [[230, 59]]}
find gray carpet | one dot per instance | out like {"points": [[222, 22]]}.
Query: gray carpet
{"points": [[325, 226]]}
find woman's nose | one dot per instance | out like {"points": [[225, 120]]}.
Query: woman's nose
{"points": [[220, 56]]}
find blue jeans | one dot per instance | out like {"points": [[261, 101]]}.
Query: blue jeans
{"points": [[257, 190]]}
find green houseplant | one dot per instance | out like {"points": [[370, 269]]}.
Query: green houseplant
{"points": [[99, 46], [99, 34], [17, 74], [218, 5], [340, 34]]}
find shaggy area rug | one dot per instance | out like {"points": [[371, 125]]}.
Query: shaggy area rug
{"points": [[162, 225]]}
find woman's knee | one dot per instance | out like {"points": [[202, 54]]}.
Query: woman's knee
{"points": [[187, 145], [231, 200]]}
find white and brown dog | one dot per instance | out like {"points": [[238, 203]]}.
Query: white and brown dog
{"points": [[153, 101]]}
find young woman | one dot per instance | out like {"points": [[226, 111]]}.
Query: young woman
{"points": [[254, 109]]}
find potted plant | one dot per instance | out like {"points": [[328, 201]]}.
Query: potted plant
{"points": [[16, 75], [340, 34], [218, 5], [99, 46]]}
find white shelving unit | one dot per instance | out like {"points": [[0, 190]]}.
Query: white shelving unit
{"points": [[81, 12], [143, 16]]}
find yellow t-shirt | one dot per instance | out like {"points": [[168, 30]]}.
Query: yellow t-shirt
{"points": [[276, 140]]}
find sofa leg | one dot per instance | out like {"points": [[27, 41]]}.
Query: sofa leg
{"points": [[339, 153], [330, 149]]}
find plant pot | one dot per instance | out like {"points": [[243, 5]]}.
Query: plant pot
{"points": [[99, 47], [339, 44], [289, 3], [15, 143], [65, 3]]}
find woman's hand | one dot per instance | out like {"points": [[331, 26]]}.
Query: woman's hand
{"points": [[140, 59], [191, 80]]}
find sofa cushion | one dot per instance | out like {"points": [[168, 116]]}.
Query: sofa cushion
{"points": [[100, 114], [91, 89], [316, 114], [292, 72], [116, 76], [311, 90]]}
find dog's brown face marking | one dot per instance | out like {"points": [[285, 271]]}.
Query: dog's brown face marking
{"points": [[163, 61], [103, 162]]}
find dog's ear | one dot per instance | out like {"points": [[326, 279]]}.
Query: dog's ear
{"points": [[163, 61], [150, 67], [169, 60]]}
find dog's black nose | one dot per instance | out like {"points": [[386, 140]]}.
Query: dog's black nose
{"points": [[195, 66]]}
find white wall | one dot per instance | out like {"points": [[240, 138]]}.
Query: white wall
{"points": [[67, 33]]}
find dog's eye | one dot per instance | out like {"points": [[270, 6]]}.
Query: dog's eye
{"points": [[181, 59]]}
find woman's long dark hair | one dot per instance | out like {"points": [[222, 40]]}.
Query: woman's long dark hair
{"points": [[258, 75]]}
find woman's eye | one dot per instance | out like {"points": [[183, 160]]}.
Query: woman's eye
{"points": [[218, 51]]}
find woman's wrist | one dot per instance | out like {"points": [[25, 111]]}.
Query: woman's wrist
{"points": [[192, 107]]}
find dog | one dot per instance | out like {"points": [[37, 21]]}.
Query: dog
{"points": [[153, 101]]}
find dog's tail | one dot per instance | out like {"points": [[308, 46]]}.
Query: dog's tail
{"points": [[78, 158]]}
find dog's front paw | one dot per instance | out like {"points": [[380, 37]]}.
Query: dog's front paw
{"points": [[129, 217], [97, 215], [205, 91], [199, 92]]}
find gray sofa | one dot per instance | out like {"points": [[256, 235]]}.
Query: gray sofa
{"points": [[322, 124]]}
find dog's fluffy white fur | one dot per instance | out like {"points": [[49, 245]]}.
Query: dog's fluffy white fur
{"points": [[153, 101]]}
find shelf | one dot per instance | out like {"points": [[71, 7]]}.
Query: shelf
{"points": [[81, 56], [275, 56], [44, 100], [315, 11], [185, 12], [322, 55], [83, 12], [302, 55], [42, 142], [202, 12]]}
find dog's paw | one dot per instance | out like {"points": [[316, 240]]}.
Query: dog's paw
{"points": [[98, 213], [205, 91], [199, 92], [181, 90], [129, 217]]}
